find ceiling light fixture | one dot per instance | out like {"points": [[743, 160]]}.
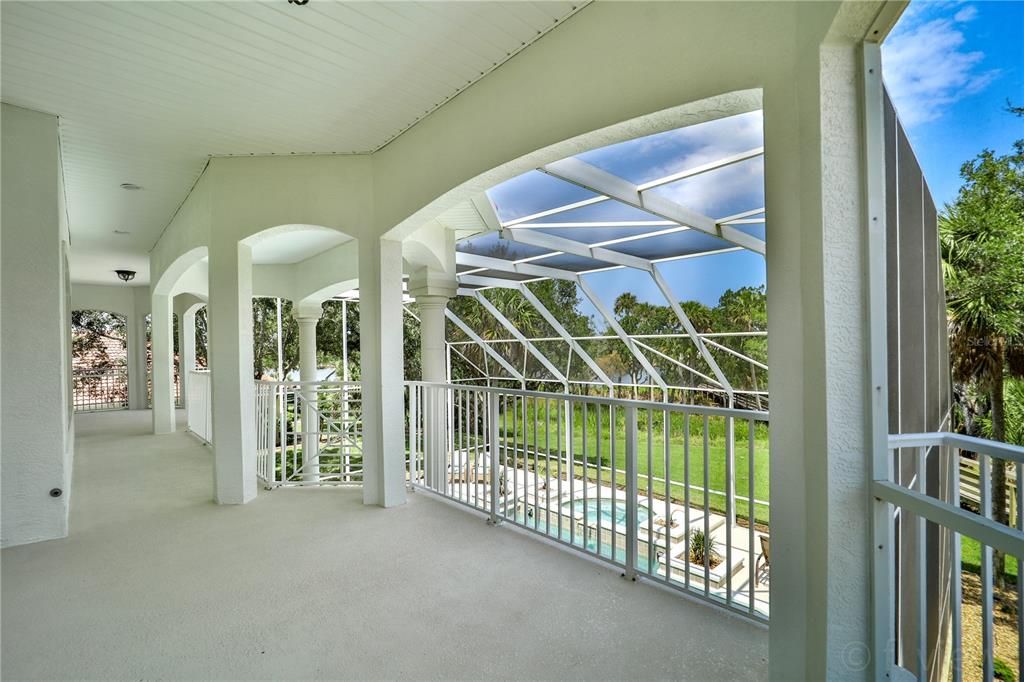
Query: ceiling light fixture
{"points": [[125, 275], [129, 186], [297, 2]]}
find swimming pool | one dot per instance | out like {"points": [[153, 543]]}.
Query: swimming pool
{"points": [[591, 509]]}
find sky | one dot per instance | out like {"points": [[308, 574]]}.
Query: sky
{"points": [[949, 67]]}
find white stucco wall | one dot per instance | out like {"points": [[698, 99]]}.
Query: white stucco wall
{"points": [[36, 435]]}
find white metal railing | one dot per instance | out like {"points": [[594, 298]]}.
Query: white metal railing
{"points": [[99, 389], [199, 405], [633, 483], [918, 586], [179, 399], [309, 433]]}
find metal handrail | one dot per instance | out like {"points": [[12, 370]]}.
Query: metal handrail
{"points": [[312, 382], [758, 415], [982, 446], [915, 508]]}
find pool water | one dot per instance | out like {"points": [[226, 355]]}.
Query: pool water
{"points": [[591, 509], [577, 539]]}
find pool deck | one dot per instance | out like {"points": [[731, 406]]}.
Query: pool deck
{"points": [[534, 493]]}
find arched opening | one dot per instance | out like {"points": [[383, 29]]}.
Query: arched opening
{"points": [[99, 360], [615, 302]]}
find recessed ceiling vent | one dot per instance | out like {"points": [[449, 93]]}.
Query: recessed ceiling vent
{"points": [[131, 186]]}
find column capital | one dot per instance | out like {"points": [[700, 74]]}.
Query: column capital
{"points": [[308, 312], [432, 301], [431, 283]]}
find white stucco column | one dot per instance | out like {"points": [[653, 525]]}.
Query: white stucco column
{"points": [[307, 319], [231, 364], [163, 364], [818, 368], [138, 375], [431, 309], [380, 345], [432, 332]]}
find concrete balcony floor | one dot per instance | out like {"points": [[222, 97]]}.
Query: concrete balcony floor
{"points": [[156, 581]]}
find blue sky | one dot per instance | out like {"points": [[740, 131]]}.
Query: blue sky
{"points": [[949, 66], [720, 193]]}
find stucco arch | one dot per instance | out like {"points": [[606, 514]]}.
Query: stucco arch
{"points": [[255, 195], [317, 297], [169, 278], [432, 246], [268, 233], [680, 116]]}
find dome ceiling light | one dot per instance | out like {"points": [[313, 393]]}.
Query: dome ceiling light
{"points": [[125, 275]]}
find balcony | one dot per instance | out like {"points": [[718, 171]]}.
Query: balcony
{"points": [[485, 502], [157, 581]]}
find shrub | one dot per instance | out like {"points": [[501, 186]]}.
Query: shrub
{"points": [[701, 546], [1002, 671]]}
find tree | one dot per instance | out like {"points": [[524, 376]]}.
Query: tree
{"points": [[559, 297], [264, 337], [745, 310], [1013, 411], [982, 243], [332, 334], [90, 329], [202, 337]]}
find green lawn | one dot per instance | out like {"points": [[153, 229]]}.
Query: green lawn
{"points": [[543, 431], [329, 461], [970, 559]]}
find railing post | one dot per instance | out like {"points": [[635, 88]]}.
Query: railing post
{"points": [[437, 433], [493, 444], [632, 521], [730, 474], [957, 587], [413, 432], [282, 402], [987, 636]]}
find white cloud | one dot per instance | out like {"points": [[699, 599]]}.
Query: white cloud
{"points": [[925, 64], [966, 14], [735, 188], [723, 191]]}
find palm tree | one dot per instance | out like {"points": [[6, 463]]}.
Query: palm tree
{"points": [[745, 310], [982, 243]]}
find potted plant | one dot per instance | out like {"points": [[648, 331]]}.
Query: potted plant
{"points": [[702, 546]]}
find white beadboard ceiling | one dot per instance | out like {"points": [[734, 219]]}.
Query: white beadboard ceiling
{"points": [[146, 91]]}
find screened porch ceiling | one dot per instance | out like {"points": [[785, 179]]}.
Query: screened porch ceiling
{"points": [[686, 193], [638, 205]]}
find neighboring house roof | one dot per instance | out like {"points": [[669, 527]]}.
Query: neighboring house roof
{"points": [[104, 353]]}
